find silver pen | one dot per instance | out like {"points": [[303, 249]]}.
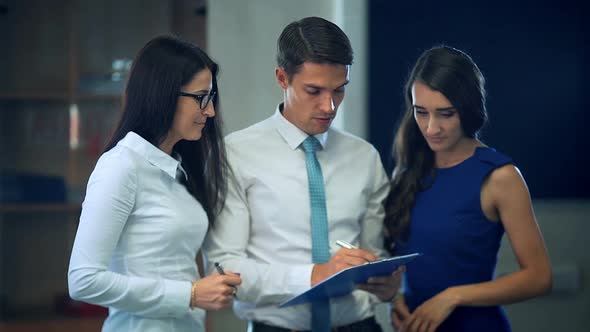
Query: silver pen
{"points": [[345, 244], [220, 271]]}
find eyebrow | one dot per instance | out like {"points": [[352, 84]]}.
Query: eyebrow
{"points": [[313, 86], [442, 109], [205, 91]]}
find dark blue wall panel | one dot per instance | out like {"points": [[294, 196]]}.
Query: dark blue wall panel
{"points": [[534, 56]]}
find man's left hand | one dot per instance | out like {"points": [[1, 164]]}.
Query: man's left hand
{"points": [[385, 288]]}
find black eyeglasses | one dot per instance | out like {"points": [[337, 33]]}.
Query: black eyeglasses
{"points": [[202, 100]]}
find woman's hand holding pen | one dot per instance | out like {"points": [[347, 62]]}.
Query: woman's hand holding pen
{"points": [[215, 291], [343, 259]]}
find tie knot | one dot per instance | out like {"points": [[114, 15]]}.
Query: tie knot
{"points": [[311, 144]]}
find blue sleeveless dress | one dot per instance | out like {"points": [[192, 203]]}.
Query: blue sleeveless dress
{"points": [[459, 244]]}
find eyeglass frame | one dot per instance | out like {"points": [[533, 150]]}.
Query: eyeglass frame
{"points": [[206, 98]]}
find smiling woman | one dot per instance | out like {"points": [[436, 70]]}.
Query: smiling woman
{"points": [[152, 196], [191, 115]]}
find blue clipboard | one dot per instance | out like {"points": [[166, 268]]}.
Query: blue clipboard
{"points": [[344, 282]]}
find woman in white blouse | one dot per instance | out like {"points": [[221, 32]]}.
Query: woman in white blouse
{"points": [[152, 196]]}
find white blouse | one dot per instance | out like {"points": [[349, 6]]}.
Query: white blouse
{"points": [[135, 248]]}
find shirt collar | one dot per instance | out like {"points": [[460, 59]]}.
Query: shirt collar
{"points": [[180, 172], [291, 134], [152, 154]]}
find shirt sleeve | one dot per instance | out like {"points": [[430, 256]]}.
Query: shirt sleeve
{"points": [[227, 243], [372, 223], [110, 199]]}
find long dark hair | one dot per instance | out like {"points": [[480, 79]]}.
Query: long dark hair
{"points": [[454, 74], [160, 69]]}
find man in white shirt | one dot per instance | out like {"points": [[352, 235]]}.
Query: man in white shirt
{"points": [[264, 231]]}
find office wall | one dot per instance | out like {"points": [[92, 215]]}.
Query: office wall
{"points": [[533, 55], [565, 225]]}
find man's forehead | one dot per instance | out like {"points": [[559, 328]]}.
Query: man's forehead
{"points": [[323, 74]]}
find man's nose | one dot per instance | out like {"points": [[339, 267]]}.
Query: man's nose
{"points": [[328, 104]]}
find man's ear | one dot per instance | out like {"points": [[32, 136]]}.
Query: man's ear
{"points": [[282, 77]]}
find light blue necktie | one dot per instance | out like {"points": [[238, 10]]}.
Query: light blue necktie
{"points": [[320, 248]]}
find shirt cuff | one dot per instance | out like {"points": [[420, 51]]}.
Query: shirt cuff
{"points": [[177, 297], [299, 278]]}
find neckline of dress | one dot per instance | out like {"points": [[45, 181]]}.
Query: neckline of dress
{"points": [[475, 152]]}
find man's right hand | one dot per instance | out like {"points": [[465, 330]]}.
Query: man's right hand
{"points": [[343, 259]]}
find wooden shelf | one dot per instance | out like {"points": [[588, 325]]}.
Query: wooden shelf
{"points": [[51, 325], [98, 97], [51, 208], [43, 80], [58, 97], [39, 96]]}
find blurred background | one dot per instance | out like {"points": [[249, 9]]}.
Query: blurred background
{"points": [[63, 66]]}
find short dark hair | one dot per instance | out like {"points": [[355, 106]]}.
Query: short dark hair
{"points": [[160, 69], [312, 39]]}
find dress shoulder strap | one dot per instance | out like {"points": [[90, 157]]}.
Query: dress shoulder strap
{"points": [[491, 156]]}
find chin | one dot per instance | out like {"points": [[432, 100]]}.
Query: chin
{"points": [[319, 130], [437, 148], [194, 137]]}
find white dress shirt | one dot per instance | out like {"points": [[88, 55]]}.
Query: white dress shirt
{"points": [[135, 248], [264, 231]]}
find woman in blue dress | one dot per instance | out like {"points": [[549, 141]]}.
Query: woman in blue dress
{"points": [[452, 198], [152, 197]]}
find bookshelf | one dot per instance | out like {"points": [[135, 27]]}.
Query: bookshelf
{"points": [[61, 89]]}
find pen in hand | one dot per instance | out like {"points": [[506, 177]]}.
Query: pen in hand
{"points": [[219, 268], [345, 244], [220, 271]]}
